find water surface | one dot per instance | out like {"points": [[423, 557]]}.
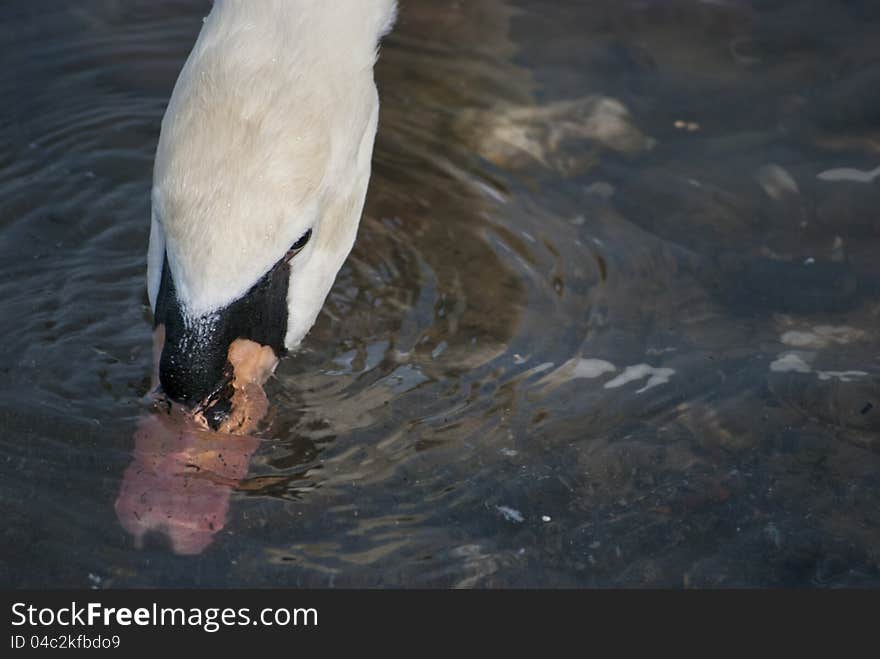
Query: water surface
{"points": [[611, 319]]}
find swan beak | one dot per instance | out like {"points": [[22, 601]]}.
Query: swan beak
{"points": [[194, 366]]}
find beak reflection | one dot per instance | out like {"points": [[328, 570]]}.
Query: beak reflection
{"points": [[180, 481]]}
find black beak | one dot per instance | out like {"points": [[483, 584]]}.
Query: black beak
{"points": [[194, 367]]}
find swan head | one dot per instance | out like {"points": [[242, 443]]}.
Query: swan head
{"points": [[259, 180]]}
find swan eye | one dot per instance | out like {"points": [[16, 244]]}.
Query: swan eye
{"points": [[298, 245]]}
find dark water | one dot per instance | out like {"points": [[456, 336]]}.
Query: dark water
{"points": [[611, 320]]}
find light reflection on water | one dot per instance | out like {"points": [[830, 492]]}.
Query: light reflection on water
{"points": [[610, 320]]}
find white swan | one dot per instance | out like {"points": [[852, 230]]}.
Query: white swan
{"points": [[260, 177]]}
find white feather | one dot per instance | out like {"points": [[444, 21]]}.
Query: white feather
{"points": [[269, 132]]}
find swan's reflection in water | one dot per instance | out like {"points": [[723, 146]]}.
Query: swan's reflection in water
{"points": [[181, 479]]}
